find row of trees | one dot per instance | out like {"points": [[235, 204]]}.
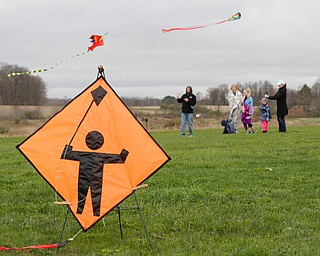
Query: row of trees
{"points": [[308, 98], [21, 90], [31, 90]]}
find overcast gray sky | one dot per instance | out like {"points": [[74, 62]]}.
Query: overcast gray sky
{"points": [[273, 40]]}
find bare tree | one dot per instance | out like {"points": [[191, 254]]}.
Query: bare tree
{"points": [[21, 90], [217, 95], [316, 97], [316, 88], [305, 96]]}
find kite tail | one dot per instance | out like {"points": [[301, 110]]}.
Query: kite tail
{"points": [[45, 69], [234, 17], [27, 73], [57, 64], [45, 246], [183, 28], [193, 27]]}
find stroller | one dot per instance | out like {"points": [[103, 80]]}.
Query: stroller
{"points": [[228, 124]]}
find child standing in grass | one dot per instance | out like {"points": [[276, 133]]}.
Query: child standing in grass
{"points": [[265, 115], [247, 111]]}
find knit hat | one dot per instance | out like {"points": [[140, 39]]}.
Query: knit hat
{"points": [[264, 99], [281, 82]]}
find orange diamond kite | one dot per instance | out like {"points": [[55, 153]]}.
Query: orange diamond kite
{"points": [[93, 153]]}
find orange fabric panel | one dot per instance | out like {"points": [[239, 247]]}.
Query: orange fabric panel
{"points": [[120, 131]]}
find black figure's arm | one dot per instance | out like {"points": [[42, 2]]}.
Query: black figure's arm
{"points": [[69, 154], [116, 158]]}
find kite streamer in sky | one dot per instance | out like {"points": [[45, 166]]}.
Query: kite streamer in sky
{"points": [[234, 17], [96, 41]]}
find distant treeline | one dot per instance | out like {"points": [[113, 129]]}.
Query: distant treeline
{"points": [[31, 90]]}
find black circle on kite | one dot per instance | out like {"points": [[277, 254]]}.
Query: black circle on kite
{"points": [[94, 140]]}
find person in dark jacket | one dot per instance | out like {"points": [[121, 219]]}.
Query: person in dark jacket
{"points": [[188, 101], [282, 109]]}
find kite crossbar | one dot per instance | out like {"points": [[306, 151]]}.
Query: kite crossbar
{"points": [[63, 202], [67, 202], [141, 186]]}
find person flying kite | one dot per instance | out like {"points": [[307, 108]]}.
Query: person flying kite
{"points": [[236, 16]]}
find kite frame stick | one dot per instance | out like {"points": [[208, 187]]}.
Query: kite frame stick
{"points": [[140, 186]]}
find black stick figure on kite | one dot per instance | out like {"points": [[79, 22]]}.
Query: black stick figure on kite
{"points": [[91, 169], [93, 174]]}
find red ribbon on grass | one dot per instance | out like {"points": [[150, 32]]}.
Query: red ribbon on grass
{"points": [[45, 246]]}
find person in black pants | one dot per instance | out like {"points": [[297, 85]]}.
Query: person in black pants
{"points": [[282, 109]]}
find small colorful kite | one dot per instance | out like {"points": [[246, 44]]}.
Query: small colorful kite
{"points": [[96, 41], [237, 16]]}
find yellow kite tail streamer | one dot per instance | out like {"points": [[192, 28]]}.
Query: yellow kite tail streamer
{"points": [[52, 67]]}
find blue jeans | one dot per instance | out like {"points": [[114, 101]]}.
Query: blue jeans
{"points": [[186, 117], [282, 124]]}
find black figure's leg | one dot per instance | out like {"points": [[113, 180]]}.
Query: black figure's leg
{"points": [[83, 187], [96, 190]]}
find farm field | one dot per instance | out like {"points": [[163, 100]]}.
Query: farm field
{"points": [[243, 194]]}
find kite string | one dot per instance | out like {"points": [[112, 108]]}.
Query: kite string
{"points": [[72, 238], [45, 69], [52, 67]]}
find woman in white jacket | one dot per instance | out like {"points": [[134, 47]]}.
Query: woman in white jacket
{"points": [[234, 99]]}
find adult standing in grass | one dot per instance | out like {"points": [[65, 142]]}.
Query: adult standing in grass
{"points": [[282, 108], [234, 97], [188, 101]]}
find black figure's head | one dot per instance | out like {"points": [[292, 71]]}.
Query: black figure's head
{"points": [[94, 140]]}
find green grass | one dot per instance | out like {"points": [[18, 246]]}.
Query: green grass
{"points": [[244, 194]]}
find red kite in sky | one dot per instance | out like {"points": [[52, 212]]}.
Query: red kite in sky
{"points": [[94, 153], [96, 41]]}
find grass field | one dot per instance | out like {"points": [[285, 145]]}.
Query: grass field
{"points": [[244, 194]]}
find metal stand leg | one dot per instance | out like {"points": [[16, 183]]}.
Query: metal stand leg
{"points": [[63, 228], [143, 223], [119, 219], [118, 211]]}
